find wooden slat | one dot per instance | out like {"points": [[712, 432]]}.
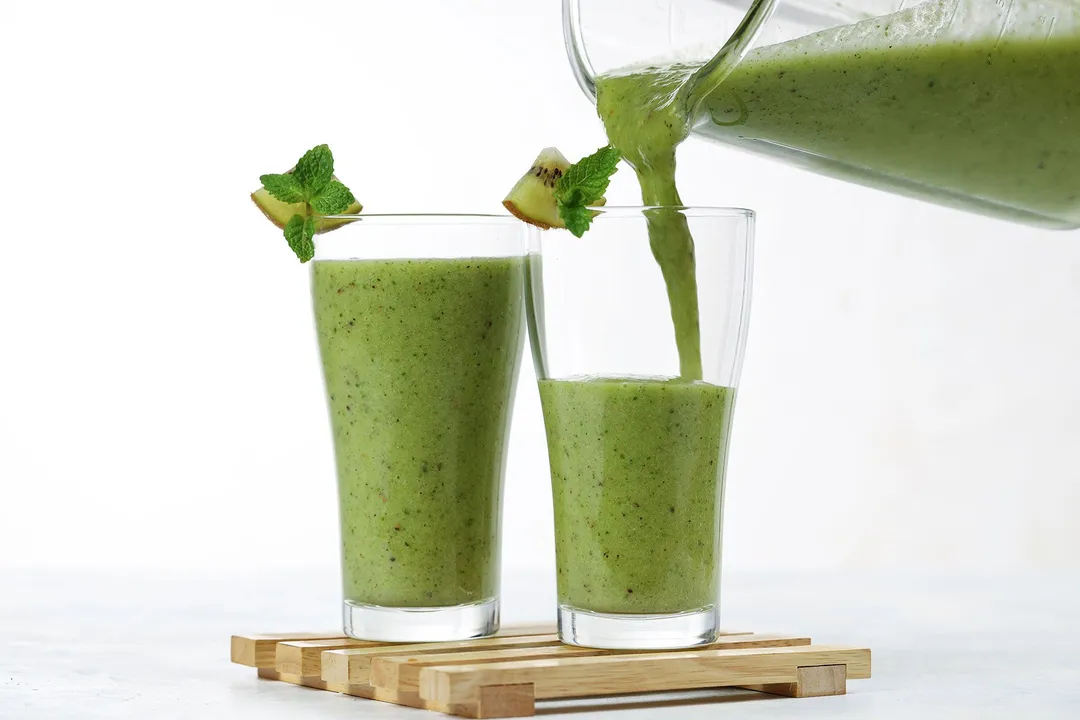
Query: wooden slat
{"points": [[402, 672], [810, 682], [409, 699], [616, 674], [259, 650], [303, 657], [353, 666], [505, 701], [368, 692], [364, 691]]}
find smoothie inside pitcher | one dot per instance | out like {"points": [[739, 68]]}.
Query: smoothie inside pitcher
{"points": [[968, 103]]}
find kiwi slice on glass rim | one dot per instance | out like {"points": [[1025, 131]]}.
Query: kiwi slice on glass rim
{"points": [[532, 199], [279, 212]]}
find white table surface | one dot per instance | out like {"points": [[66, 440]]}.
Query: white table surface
{"points": [[156, 646]]}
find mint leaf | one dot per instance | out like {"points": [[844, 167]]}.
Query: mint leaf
{"points": [[583, 184], [285, 188], [314, 170], [299, 233], [577, 218], [586, 181], [308, 238], [334, 198]]}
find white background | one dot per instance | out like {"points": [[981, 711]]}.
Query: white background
{"points": [[910, 390]]}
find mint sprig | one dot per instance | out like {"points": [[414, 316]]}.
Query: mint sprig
{"points": [[312, 183], [582, 185]]}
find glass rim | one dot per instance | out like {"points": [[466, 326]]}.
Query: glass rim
{"points": [[690, 210], [423, 218], [494, 218]]}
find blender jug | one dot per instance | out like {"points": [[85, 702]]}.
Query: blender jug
{"points": [[973, 104]]}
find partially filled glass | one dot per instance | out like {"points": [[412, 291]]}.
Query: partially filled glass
{"points": [[638, 360], [421, 328]]}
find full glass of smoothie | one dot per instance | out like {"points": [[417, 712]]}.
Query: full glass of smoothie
{"points": [[421, 326], [638, 364]]}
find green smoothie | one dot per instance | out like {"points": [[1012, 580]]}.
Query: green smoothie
{"points": [[990, 124], [637, 464], [637, 470], [645, 126], [420, 359], [999, 121]]}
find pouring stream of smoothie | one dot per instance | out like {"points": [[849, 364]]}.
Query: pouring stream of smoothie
{"points": [[646, 115], [935, 101]]}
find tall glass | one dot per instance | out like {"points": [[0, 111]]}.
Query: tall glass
{"points": [[421, 327], [638, 450]]}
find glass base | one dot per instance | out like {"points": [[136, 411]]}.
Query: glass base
{"points": [[638, 632], [421, 624]]}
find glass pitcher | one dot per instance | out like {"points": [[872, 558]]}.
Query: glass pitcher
{"points": [[973, 104]]}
